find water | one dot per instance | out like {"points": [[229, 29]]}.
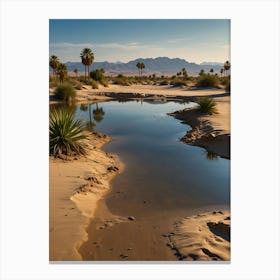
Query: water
{"points": [[159, 169]]}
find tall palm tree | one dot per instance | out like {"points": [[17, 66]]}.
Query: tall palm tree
{"points": [[142, 66], [211, 70], [54, 62], [61, 72], [87, 58], [138, 65], [222, 71], [226, 66], [76, 72]]}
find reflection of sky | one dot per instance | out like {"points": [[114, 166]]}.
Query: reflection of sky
{"points": [[124, 40], [146, 139]]}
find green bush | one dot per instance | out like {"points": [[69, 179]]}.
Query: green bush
{"points": [[207, 80], [65, 133], [65, 92], [207, 105], [97, 75]]}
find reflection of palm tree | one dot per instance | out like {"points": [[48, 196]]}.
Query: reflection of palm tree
{"points": [[98, 113], [211, 155], [89, 124]]}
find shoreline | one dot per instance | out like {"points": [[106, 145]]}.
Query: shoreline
{"points": [[203, 134], [76, 186]]}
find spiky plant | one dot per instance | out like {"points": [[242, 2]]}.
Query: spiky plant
{"points": [[65, 133], [207, 105]]}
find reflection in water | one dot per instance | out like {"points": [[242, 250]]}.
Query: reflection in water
{"points": [[211, 155], [98, 113], [89, 125], [158, 167]]}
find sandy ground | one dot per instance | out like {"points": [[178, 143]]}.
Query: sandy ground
{"points": [[203, 237], [77, 189], [76, 185]]}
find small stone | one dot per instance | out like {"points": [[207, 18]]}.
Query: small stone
{"points": [[101, 227], [131, 218]]}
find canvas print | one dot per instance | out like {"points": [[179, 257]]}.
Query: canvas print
{"points": [[139, 140]]}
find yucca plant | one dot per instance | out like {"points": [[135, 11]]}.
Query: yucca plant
{"points": [[65, 133], [207, 105]]}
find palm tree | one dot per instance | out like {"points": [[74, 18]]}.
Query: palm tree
{"points": [[87, 58], [142, 66], [138, 65], [201, 72], [61, 72], [211, 70], [222, 71], [226, 66], [184, 72], [76, 72], [54, 62]]}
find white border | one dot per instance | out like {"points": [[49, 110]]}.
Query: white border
{"points": [[255, 138]]}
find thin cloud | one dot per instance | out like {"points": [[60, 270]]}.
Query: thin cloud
{"points": [[127, 46]]}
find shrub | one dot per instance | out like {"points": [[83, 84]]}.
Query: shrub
{"points": [[97, 75], [177, 82], [207, 80], [94, 84], [207, 105], [65, 92], [104, 82], [164, 83], [65, 133]]}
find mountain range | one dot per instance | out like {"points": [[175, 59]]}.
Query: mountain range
{"points": [[159, 66]]}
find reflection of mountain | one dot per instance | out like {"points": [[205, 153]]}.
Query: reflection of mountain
{"points": [[159, 66]]}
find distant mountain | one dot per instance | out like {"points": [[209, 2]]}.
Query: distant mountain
{"points": [[159, 66], [212, 63]]}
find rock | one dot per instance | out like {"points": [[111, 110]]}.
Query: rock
{"points": [[113, 168], [102, 227], [129, 249], [131, 218], [123, 256]]}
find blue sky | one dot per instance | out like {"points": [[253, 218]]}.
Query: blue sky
{"points": [[125, 40]]}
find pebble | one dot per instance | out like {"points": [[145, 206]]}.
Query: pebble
{"points": [[131, 218]]}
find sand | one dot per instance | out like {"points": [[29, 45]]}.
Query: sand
{"points": [[76, 185], [78, 188], [202, 237]]}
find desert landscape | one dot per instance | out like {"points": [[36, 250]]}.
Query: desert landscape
{"points": [[139, 162]]}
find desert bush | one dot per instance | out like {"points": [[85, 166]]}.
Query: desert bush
{"points": [[206, 105], [177, 82], [84, 81], [65, 92], [97, 74], [164, 83], [207, 80], [94, 84], [65, 133], [104, 82]]}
